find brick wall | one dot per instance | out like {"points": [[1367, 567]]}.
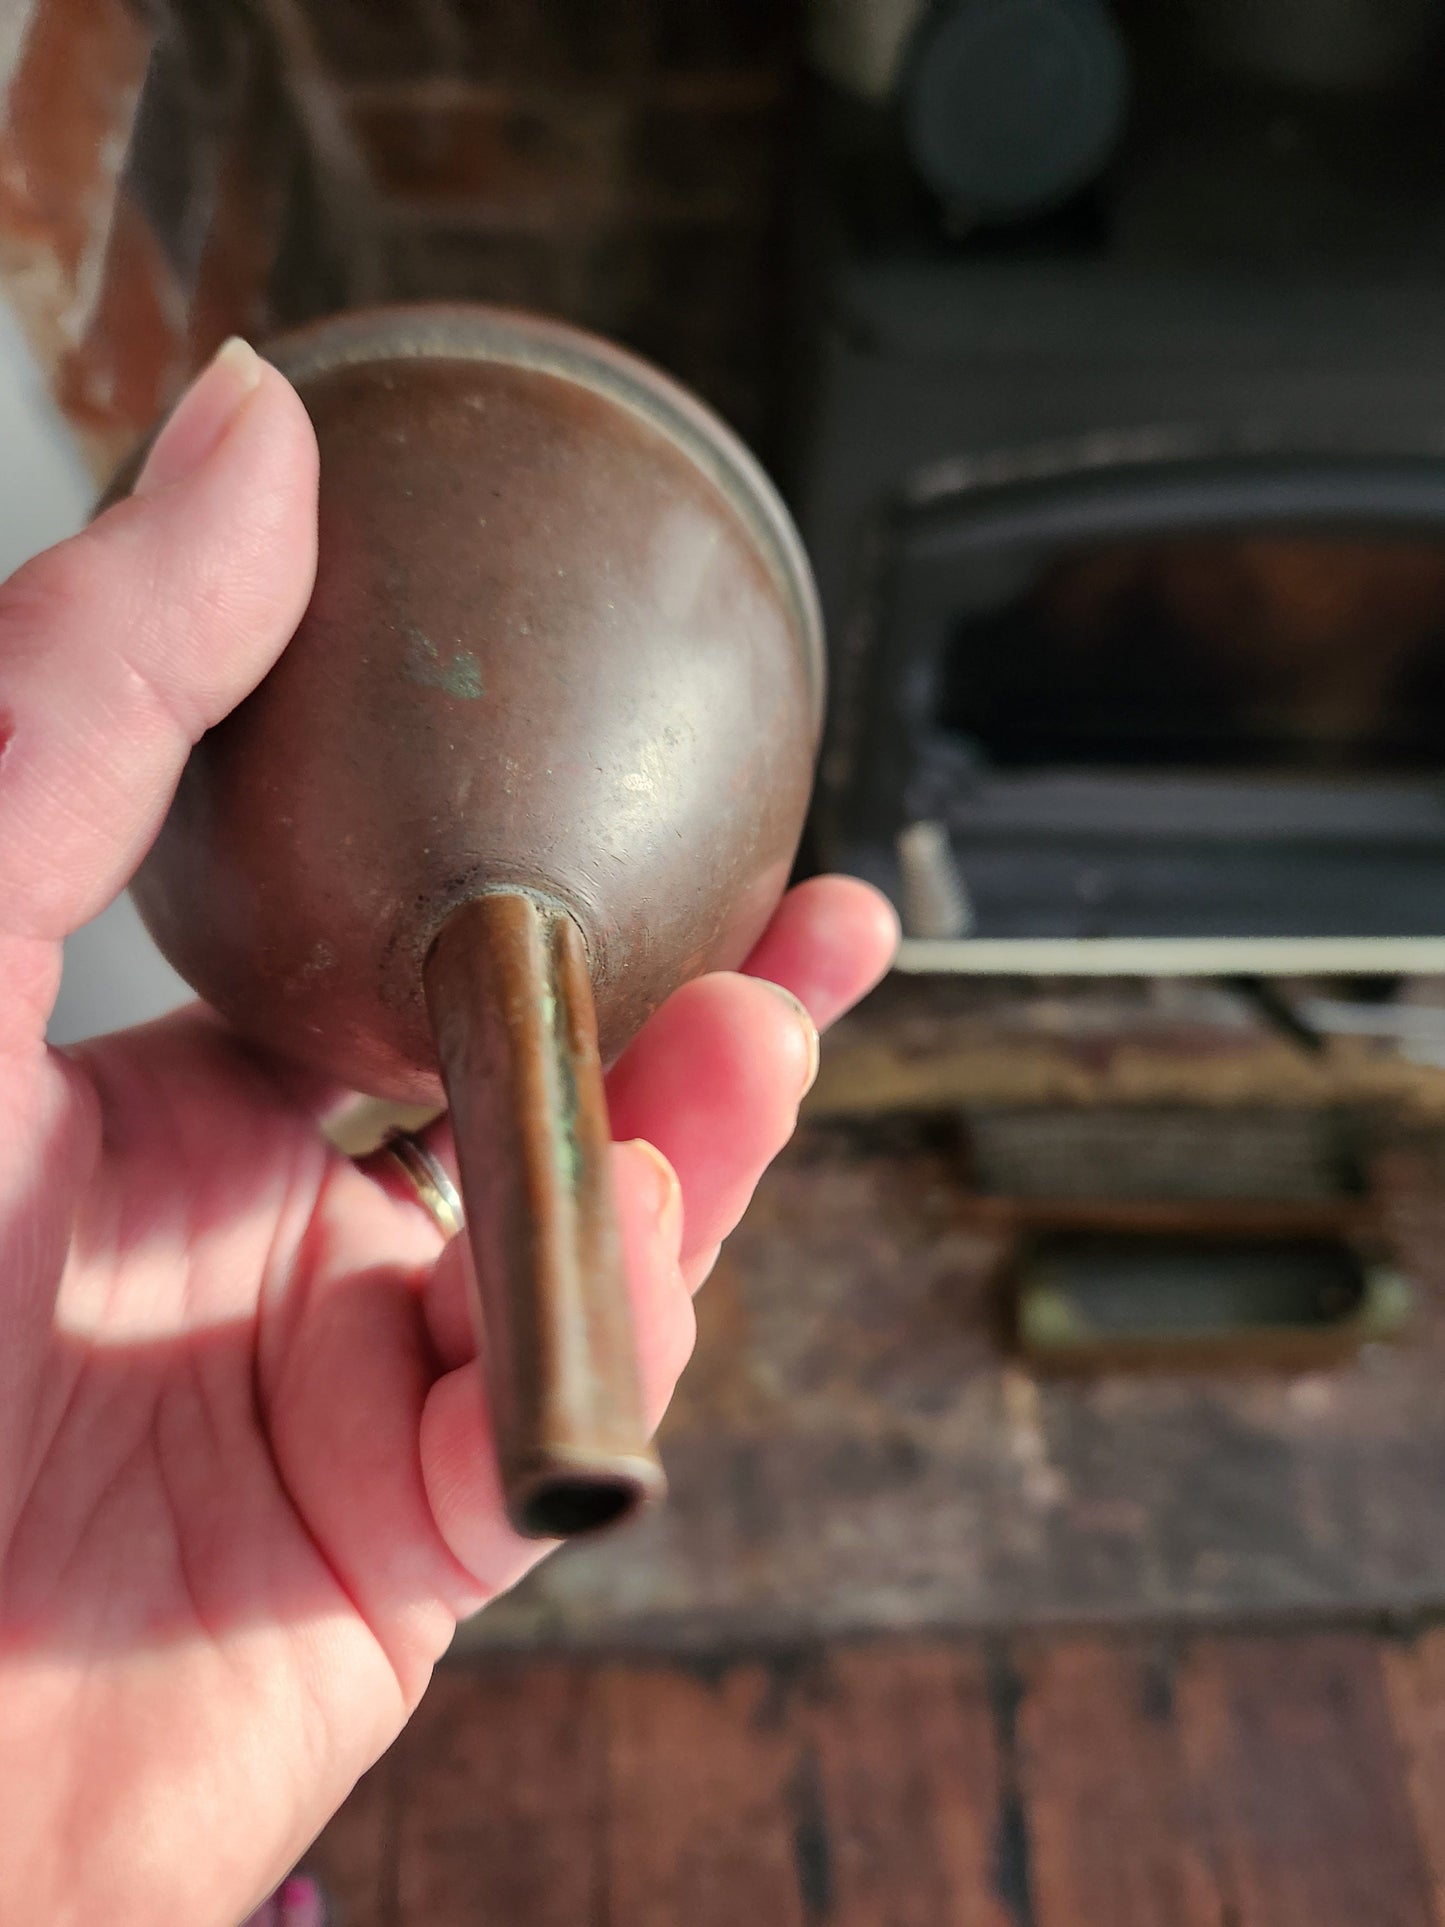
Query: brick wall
{"points": [[619, 162], [151, 184], [172, 170]]}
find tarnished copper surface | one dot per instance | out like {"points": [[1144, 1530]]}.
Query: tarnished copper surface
{"points": [[512, 1007], [561, 637], [563, 642]]}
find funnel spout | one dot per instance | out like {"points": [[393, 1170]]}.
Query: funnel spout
{"points": [[511, 1008]]}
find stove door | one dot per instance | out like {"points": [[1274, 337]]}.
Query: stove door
{"points": [[1194, 706]]}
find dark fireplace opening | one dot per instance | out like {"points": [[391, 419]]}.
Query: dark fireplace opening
{"points": [[1191, 700], [1313, 653]]}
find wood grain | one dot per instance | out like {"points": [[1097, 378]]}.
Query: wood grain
{"points": [[1298, 1786], [1414, 1676], [707, 1821], [1111, 1830], [915, 1814], [1137, 1780], [504, 1806]]}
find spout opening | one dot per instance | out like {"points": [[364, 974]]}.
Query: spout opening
{"points": [[573, 1502]]}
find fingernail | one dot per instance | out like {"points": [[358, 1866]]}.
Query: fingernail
{"points": [[202, 415], [808, 1028], [667, 1201]]}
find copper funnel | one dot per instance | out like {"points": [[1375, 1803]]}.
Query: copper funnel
{"points": [[539, 751]]}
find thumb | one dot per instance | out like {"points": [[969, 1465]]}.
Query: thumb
{"points": [[119, 648]]}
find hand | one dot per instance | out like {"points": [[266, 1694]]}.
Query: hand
{"points": [[246, 1481]]}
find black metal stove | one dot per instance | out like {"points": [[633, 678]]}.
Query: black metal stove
{"points": [[1128, 501]]}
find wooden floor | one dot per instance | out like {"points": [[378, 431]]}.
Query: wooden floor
{"points": [[1221, 1780]]}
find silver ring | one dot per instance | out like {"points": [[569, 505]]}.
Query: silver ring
{"points": [[435, 1192]]}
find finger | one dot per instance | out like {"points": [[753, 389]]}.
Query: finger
{"points": [[714, 1080], [650, 1217], [464, 1490], [646, 1189], [697, 1269], [121, 646], [829, 942], [458, 1453]]}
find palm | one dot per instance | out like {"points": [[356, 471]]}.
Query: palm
{"points": [[226, 1415], [247, 1482]]}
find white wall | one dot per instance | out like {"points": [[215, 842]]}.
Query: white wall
{"points": [[113, 973]]}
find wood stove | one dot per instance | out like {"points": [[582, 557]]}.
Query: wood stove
{"points": [[1128, 499]]}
